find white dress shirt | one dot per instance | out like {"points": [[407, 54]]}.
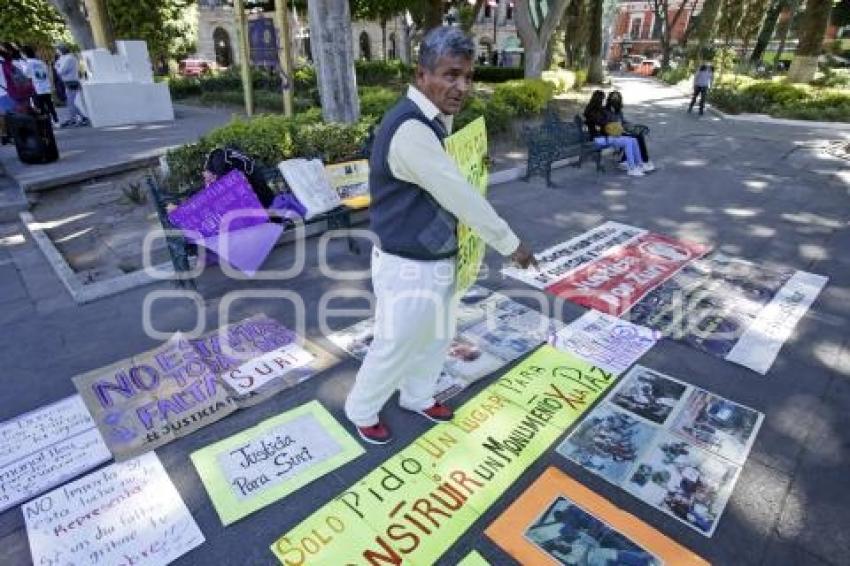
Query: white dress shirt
{"points": [[417, 156]]}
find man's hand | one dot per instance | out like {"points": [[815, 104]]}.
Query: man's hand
{"points": [[524, 257]]}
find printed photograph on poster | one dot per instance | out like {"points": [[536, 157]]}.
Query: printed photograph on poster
{"points": [[606, 341], [349, 179], [684, 481], [467, 361], [608, 442], [616, 281], [718, 425], [128, 512], [571, 535], [506, 342], [355, 339], [649, 394], [558, 520], [473, 306]]}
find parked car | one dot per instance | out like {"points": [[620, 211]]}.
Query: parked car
{"points": [[195, 67]]}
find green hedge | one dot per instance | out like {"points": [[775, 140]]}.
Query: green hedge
{"points": [[271, 138], [486, 74], [782, 100]]}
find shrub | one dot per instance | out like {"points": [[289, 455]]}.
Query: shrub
{"points": [[268, 139], [382, 73], [498, 115], [473, 107], [375, 100], [488, 74], [675, 76], [766, 94], [581, 78], [561, 80], [527, 97], [184, 87]]}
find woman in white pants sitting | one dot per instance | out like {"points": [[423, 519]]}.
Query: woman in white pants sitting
{"points": [[608, 132]]}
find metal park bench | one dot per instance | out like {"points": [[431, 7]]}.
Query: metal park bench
{"points": [[181, 250], [555, 140]]}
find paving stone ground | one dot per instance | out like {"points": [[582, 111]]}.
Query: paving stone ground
{"points": [[759, 191]]}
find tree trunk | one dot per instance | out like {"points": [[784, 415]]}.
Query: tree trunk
{"points": [[707, 23], [384, 37], [433, 15], [72, 12], [784, 30], [404, 45], [768, 26], [333, 52], [535, 42], [812, 31], [595, 73]]}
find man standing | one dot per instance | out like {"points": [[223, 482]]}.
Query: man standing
{"points": [[418, 196], [68, 69], [39, 73], [702, 82]]}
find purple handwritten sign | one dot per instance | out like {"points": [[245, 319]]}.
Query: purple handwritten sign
{"points": [[205, 211]]}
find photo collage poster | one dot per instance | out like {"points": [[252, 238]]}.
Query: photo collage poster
{"points": [[492, 330], [675, 446], [557, 520], [730, 308]]}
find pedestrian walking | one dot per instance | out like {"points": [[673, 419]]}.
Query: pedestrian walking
{"points": [[702, 82], [418, 197], [39, 73], [68, 69]]}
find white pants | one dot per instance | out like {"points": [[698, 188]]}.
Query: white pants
{"points": [[415, 319]]}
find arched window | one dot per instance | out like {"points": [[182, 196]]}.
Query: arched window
{"points": [[365, 47], [392, 52], [222, 48]]}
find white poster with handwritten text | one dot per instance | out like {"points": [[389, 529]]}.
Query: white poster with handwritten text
{"points": [[126, 513], [45, 447]]}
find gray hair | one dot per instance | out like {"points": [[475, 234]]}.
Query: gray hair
{"points": [[444, 41]]}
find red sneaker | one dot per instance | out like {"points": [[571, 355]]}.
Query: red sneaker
{"points": [[438, 413], [375, 434]]}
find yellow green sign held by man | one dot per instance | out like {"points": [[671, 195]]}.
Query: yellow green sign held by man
{"points": [[468, 147]]}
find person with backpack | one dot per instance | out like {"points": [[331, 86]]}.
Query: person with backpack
{"points": [[39, 73], [69, 72], [17, 87]]}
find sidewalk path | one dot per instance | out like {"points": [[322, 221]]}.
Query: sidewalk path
{"points": [[759, 191], [86, 151]]}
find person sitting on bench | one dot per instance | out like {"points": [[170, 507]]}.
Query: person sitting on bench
{"points": [[605, 131], [614, 108]]}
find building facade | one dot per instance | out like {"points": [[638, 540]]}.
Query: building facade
{"points": [[494, 30], [637, 29]]}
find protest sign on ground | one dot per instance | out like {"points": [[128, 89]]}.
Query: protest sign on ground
{"points": [[350, 179], [226, 217], [557, 520], [730, 308], [415, 505], [267, 462], [126, 513], [150, 399], [468, 148], [607, 341], [492, 330], [673, 445], [560, 260], [615, 281], [473, 559], [46, 447]]}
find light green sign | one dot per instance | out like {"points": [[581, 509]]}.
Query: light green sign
{"points": [[414, 506], [468, 147], [260, 465], [473, 559]]}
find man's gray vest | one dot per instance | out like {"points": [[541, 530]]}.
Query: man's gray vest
{"points": [[406, 218]]}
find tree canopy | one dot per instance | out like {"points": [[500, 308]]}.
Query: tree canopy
{"points": [[31, 22]]}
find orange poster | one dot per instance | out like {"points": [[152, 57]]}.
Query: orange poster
{"points": [[559, 521]]}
